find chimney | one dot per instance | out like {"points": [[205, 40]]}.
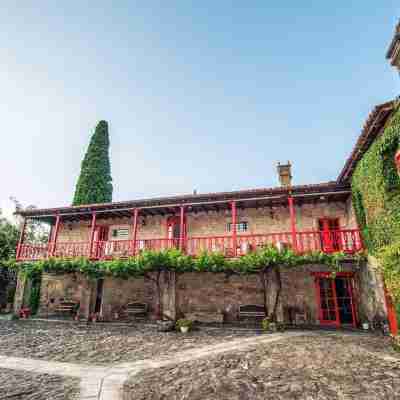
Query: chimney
{"points": [[285, 174]]}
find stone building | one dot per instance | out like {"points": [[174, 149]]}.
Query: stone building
{"points": [[305, 218]]}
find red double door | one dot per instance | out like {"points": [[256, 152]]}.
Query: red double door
{"points": [[335, 298]]}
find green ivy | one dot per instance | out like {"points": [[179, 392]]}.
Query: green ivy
{"points": [[376, 200], [174, 260]]}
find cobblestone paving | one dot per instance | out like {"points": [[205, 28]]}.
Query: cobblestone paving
{"points": [[322, 367], [98, 344], [27, 386]]}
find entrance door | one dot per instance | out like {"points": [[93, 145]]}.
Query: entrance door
{"points": [[100, 239], [330, 240], [99, 296], [174, 231], [335, 300]]}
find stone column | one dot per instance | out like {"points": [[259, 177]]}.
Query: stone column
{"points": [[169, 294], [20, 292]]}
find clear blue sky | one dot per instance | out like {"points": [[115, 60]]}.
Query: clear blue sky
{"points": [[198, 94]]}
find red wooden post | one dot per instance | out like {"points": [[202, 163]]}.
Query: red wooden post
{"points": [[134, 230], [182, 229], [234, 227], [293, 222], [55, 235], [21, 239], [391, 313], [92, 232]]}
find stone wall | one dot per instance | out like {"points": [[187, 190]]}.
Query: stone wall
{"points": [[58, 288], [117, 293], [370, 291], [207, 296]]}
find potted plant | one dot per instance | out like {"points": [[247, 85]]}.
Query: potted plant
{"points": [[184, 325], [265, 324]]}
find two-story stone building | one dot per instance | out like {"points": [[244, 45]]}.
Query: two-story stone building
{"points": [[305, 218]]}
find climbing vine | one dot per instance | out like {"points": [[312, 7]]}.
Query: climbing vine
{"points": [[376, 200], [174, 260]]}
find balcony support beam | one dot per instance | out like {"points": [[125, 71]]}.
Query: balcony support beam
{"points": [[55, 236], [134, 229], [234, 227], [92, 232], [21, 239], [182, 228], [292, 212]]}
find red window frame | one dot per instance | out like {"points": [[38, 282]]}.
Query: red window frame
{"points": [[327, 275]]}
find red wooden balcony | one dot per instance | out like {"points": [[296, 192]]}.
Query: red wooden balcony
{"points": [[346, 240]]}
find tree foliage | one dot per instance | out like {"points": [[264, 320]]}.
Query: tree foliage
{"points": [[9, 235], [376, 200], [95, 182]]}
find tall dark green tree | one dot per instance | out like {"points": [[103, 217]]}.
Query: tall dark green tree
{"points": [[95, 182]]}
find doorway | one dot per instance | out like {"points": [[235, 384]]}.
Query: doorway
{"points": [[99, 296], [174, 230], [330, 239], [335, 297]]}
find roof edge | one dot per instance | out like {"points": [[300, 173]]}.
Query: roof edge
{"points": [[298, 190], [374, 124]]}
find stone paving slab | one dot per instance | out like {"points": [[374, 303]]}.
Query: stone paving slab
{"points": [[286, 361], [23, 385], [100, 344], [307, 367]]}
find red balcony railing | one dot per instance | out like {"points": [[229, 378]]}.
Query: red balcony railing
{"points": [[348, 241]]}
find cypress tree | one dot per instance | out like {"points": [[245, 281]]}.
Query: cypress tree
{"points": [[95, 182]]}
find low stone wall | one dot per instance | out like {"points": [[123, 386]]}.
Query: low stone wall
{"points": [[57, 288]]}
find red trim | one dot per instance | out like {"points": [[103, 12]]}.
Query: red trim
{"points": [[182, 228], [397, 160], [92, 233], [56, 229], [234, 228], [326, 275], [21, 239], [391, 313], [293, 222], [134, 229]]}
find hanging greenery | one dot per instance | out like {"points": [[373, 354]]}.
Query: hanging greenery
{"points": [[376, 200], [174, 260]]}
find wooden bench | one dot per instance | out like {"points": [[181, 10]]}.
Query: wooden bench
{"points": [[136, 309], [67, 307], [251, 311]]}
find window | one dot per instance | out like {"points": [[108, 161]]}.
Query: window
{"points": [[120, 233], [240, 226]]}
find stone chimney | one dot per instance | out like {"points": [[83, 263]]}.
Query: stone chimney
{"points": [[285, 174]]}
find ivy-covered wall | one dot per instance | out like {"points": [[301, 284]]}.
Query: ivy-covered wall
{"points": [[376, 199]]}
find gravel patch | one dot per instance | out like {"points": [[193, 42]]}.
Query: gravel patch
{"points": [[99, 344], [21, 385], [322, 367]]}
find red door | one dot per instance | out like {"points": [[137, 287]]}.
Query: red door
{"points": [[335, 300], [329, 232], [100, 240]]}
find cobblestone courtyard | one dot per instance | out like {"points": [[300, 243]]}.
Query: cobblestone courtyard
{"points": [[47, 360]]}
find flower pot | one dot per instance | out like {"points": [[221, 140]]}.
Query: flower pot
{"points": [[365, 326], [184, 329]]}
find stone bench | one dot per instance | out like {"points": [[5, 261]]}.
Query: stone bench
{"points": [[251, 311], [136, 309]]}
